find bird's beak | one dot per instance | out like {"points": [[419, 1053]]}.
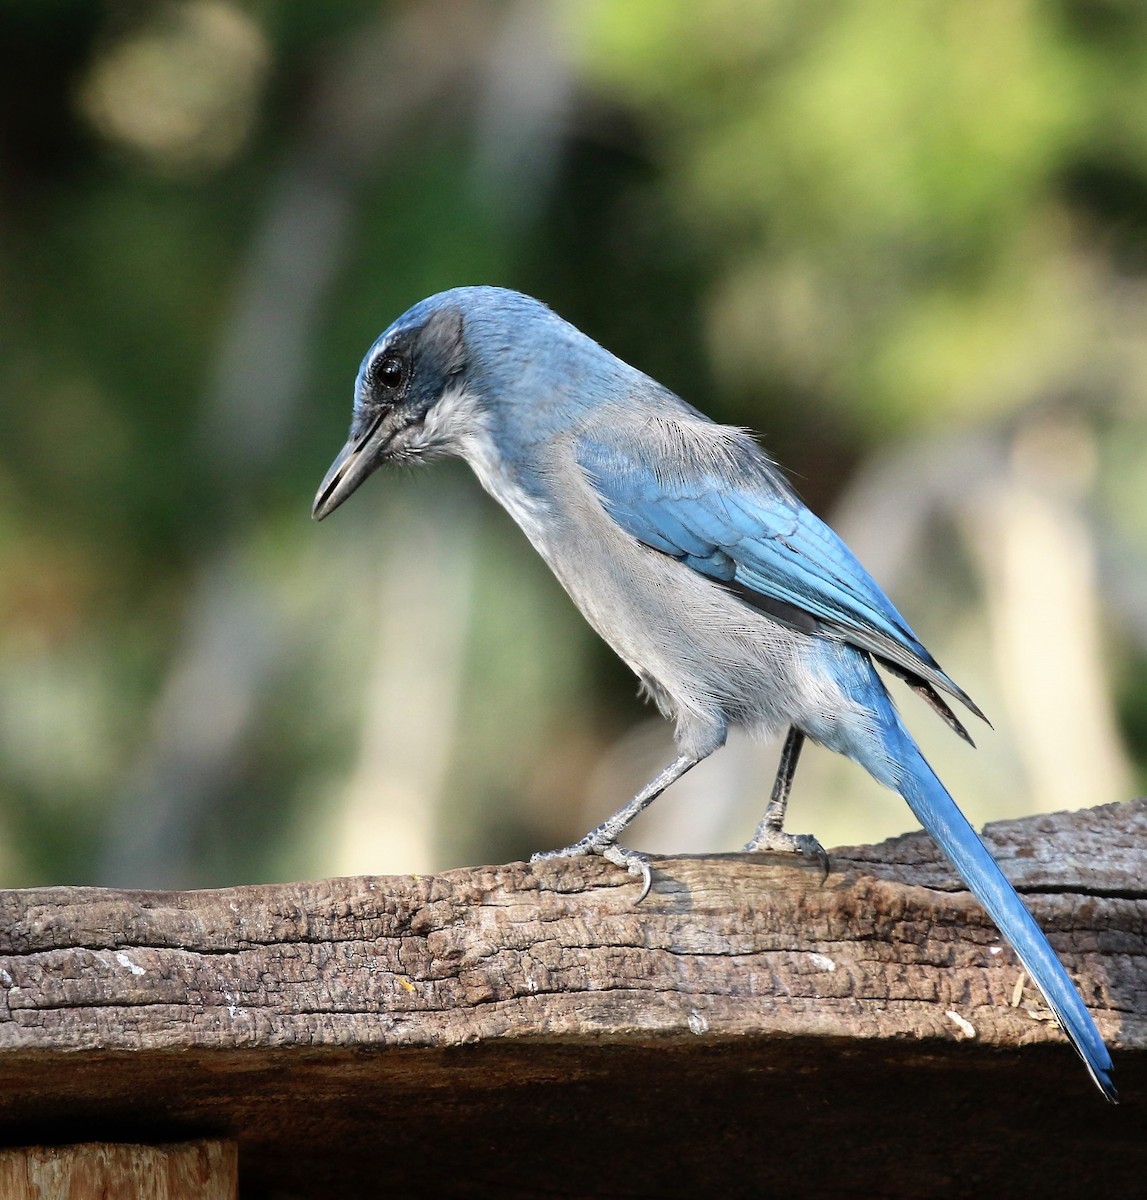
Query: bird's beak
{"points": [[355, 461]]}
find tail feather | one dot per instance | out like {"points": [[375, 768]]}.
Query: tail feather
{"points": [[937, 812], [883, 746]]}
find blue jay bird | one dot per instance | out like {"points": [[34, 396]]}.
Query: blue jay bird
{"points": [[689, 553]]}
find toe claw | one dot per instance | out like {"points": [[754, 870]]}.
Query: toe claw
{"points": [[635, 863], [822, 855], [817, 851]]}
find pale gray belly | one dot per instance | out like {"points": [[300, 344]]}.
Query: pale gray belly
{"points": [[707, 658]]}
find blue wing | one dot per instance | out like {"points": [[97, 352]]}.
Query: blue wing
{"points": [[723, 509]]}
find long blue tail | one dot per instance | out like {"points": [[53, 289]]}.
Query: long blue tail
{"points": [[915, 780], [881, 744], [937, 812]]}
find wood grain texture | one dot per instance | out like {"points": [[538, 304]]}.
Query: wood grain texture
{"points": [[470, 1027], [98, 1171]]}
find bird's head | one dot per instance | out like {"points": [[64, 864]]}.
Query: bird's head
{"points": [[418, 360], [475, 371]]}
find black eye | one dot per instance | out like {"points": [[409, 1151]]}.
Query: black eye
{"points": [[389, 372]]}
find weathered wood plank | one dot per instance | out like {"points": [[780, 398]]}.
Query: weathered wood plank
{"points": [[99, 1171], [734, 945], [745, 1001]]}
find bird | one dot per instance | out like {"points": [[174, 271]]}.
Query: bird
{"points": [[688, 551]]}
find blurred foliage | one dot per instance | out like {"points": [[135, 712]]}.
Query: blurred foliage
{"points": [[893, 193], [837, 222]]}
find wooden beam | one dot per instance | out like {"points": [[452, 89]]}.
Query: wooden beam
{"points": [[98, 1171], [746, 1021]]}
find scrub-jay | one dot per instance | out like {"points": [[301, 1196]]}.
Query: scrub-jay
{"points": [[689, 553]]}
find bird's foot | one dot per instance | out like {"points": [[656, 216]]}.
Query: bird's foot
{"points": [[634, 862], [769, 837]]}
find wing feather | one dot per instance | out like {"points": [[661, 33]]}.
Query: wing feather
{"points": [[709, 496]]}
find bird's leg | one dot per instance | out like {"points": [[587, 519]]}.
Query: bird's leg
{"points": [[774, 817], [603, 839], [770, 833]]}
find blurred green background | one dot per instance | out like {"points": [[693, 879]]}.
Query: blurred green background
{"points": [[906, 243]]}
